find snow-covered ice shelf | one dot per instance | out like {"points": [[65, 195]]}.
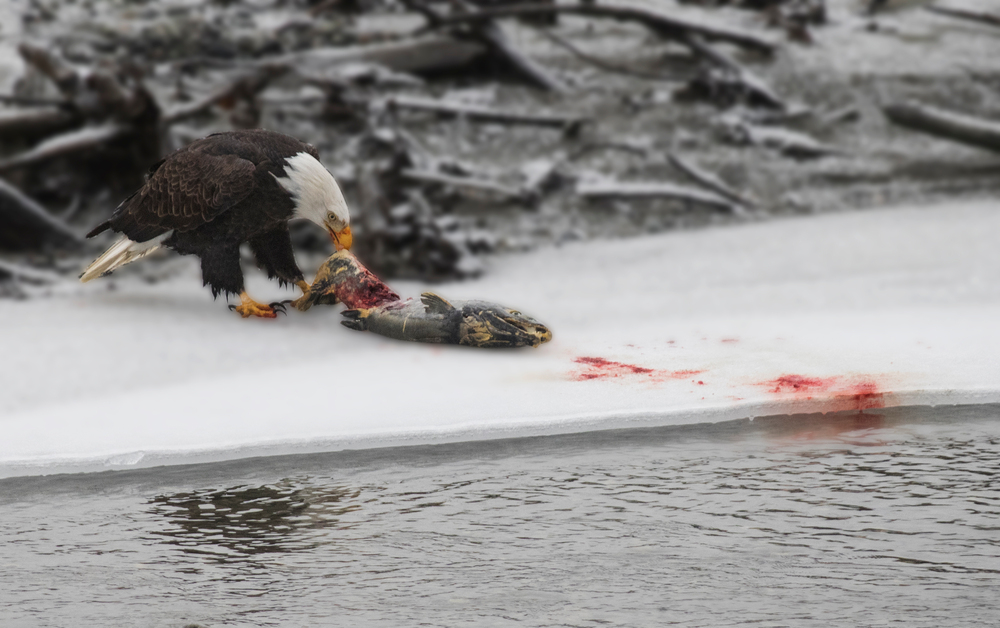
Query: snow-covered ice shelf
{"points": [[843, 312]]}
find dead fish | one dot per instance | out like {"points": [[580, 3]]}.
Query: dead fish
{"points": [[433, 319], [376, 308]]}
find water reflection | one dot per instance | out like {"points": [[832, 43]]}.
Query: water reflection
{"points": [[246, 520], [810, 521]]}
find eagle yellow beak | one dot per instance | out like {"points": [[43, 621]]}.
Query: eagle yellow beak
{"points": [[341, 239]]}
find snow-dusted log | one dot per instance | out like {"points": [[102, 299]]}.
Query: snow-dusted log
{"points": [[65, 144], [467, 183], [980, 17], [756, 88], [24, 223], [430, 53], [244, 87], [605, 65], [708, 180], [478, 112], [947, 124], [662, 23], [51, 65], [787, 142], [35, 121], [27, 274], [630, 189], [497, 39]]}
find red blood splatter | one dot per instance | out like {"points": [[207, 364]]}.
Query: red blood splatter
{"points": [[843, 393], [683, 374], [798, 383], [600, 368], [701, 383], [730, 340]]}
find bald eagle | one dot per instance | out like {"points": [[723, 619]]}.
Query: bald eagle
{"points": [[209, 197]]}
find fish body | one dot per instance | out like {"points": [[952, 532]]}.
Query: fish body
{"points": [[374, 307], [433, 319]]}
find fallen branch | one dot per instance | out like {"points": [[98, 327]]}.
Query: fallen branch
{"points": [[754, 86], [661, 23], [621, 189], [476, 185], [980, 17], [478, 112], [421, 54], [64, 144], [791, 143], [491, 33], [42, 120], [244, 87], [947, 124], [49, 64], [607, 65], [498, 41], [26, 274], [24, 222], [708, 180]]}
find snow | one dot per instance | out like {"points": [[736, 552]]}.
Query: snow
{"points": [[839, 312]]}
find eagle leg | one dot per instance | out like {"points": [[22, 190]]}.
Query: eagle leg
{"points": [[273, 250], [248, 307]]}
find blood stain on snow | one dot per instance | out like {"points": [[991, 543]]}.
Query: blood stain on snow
{"points": [[857, 393], [727, 340], [601, 368]]}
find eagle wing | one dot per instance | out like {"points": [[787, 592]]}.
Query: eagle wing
{"points": [[184, 192]]}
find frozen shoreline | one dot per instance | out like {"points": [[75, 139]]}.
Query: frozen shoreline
{"points": [[833, 313]]}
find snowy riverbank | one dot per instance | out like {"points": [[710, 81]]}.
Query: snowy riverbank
{"points": [[840, 312]]}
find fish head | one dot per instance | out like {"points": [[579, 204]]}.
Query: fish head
{"points": [[491, 325]]}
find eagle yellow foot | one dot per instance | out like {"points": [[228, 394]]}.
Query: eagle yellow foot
{"points": [[248, 307]]}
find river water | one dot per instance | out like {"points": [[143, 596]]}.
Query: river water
{"points": [[866, 520]]}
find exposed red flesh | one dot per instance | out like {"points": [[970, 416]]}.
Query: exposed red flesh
{"points": [[361, 289]]}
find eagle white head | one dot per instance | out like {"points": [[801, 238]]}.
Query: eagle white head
{"points": [[317, 197]]}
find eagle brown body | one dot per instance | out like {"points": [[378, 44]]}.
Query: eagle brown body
{"points": [[209, 197]]}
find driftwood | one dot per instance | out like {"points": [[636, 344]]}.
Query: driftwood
{"points": [[429, 53], [65, 144], [36, 121], [495, 38], [622, 189], [947, 124], [607, 65], [112, 110], [479, 186], [979, 17], [787, 142], [708, 180], [756, 89], [24, 223], [245, 87], [58, 71], [662, 23], [26, 274], [478, 112]]}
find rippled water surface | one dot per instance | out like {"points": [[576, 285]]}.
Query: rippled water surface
{"points": [[868, 520]]}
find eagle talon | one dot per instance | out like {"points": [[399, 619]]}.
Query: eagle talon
{"points": [[278, 306], [248, 307]]}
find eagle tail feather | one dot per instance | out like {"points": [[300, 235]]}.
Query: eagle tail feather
{"points": [[122, 252]]}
